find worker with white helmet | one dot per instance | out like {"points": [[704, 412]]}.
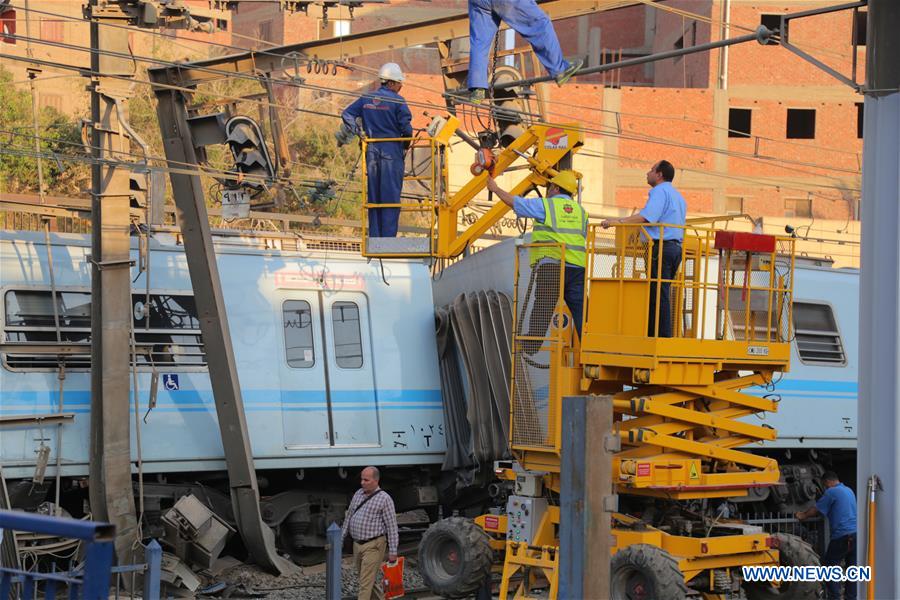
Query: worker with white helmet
{"points": [[382, 114]]}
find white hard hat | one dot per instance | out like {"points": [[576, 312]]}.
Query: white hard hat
{"points": [[390, 72]]}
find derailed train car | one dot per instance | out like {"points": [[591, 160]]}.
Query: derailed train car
{"points": [[336, 359]]}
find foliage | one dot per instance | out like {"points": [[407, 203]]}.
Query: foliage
{"points": [[60, 135]]}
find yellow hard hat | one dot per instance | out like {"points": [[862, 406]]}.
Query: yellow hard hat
{"points": [[566, 180]]}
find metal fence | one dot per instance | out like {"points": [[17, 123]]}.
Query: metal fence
{"points": [[92, 578], [814, 531]]}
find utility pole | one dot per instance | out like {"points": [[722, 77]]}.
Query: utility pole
{"points": [[878, 450], [111, 493], [111, 489]]}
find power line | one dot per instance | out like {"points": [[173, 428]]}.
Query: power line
{"points": [[350, 66], [291, 83]]}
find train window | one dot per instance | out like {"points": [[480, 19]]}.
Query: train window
{"points": [[347, 336], [166, 328], [298, 334], [817, 336]]}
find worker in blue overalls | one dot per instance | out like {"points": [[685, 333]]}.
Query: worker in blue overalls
{"points": [[527, 20], [382, 114]]}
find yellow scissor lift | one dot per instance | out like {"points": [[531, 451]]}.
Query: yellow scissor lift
{"points": [[678, 401]]}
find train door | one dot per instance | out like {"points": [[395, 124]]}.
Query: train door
{"points": [[327, 381], [354, 410], [304, 379]]}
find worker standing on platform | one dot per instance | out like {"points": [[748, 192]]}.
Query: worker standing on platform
{"points": [[838, 505], [559, 219], [383, 114], [666, 206], [527, 20], [371, 521]]}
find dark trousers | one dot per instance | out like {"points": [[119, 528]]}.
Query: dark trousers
{"points": [[841, 550], [544, 284], [384, 172], [671, 260]]}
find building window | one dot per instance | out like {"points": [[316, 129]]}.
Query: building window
{"points": [[862, 21], [52, 31], [171, 338], [798, 207], [801, 123], [817, 336], [773, 22], [7, 25], [53, 101], [739, 120], [265, 31], [298, 334], [340, 27], [734, 205], [860, 107], [347, 337]]}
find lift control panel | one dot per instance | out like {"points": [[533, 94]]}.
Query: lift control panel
{"points": [[523, 517]]}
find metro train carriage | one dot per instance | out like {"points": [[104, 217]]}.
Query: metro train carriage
{"points": [[338, 370]]}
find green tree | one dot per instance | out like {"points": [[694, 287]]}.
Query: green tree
{"points": [[60, 139]]}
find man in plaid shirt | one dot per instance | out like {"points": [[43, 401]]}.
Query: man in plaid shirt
{"points": [[371, 522]]}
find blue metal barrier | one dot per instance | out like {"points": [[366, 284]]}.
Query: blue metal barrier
{"points": [[333, 545], [91, 581]]}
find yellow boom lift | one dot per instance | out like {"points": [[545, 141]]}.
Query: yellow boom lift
{"points": [[679, 402]]}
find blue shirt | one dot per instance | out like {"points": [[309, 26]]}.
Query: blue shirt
{"points": [[384, 115], [838, 504], [531, 208], [665, 205]]}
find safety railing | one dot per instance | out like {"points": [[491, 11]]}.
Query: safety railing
{"points": [[701, 283], [543, 329], [422, 180], [93, 578]]}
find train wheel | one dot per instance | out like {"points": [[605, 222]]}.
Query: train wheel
{"points": [[793, 551], [455, 557], [645, 572]]}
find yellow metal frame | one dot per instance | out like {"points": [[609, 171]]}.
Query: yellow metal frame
{"points": [[541, 147], [680, 421]]}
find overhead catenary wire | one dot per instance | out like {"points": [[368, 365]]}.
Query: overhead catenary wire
{"points": [[641, 138], [363, 68], [782, 162], [357, 94]]}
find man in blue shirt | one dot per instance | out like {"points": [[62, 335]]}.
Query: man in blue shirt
{"points": [[838, 504], [665, 205], [527, 20], [383, 114]]}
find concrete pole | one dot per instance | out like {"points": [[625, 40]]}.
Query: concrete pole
{"points": [[587, 499], [879, 301], [111, 495]]}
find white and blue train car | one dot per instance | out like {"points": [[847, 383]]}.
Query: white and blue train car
{"points": [[337, 369]]}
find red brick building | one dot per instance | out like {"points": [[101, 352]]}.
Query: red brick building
{"points": [[750, 129]]}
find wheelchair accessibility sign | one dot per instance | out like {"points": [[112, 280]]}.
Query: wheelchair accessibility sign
{"points": [[170, 382]]}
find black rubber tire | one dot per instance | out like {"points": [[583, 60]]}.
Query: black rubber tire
{"points": [[643, 571], [793, 551], [455, 557]]}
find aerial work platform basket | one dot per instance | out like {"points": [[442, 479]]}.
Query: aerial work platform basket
{"points": [[730, 304]]}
